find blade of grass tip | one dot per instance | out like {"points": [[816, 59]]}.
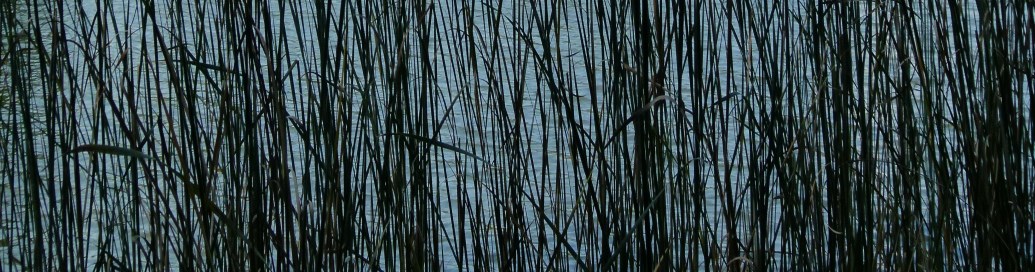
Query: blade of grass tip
{"points": [[190, 187], [110, 150], [341, 87], [638, 113], [119, 151], [207, 66], [716, 103], [436, 143]]}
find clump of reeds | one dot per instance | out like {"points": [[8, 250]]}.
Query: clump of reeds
{"points": [[564, 135]]}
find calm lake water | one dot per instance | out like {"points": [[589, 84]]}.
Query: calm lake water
{"points": [[737, 61]]}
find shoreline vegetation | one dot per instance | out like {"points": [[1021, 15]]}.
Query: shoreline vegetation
{"points": [[529, 136]]}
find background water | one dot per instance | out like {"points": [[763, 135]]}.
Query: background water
{"points": [[757, 80]]}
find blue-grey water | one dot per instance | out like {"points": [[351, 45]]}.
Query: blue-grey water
{"points": [[125, 19]]}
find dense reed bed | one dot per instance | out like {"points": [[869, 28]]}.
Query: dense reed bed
{"points": [[526, 135]]}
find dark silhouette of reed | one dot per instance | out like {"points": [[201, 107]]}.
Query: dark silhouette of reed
{"points": [[516, 135]]}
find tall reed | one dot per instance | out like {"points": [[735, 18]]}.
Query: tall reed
{"points": [[516, 135]]}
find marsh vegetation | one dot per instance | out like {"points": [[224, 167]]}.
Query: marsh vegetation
{"points": [[534, 135]]}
